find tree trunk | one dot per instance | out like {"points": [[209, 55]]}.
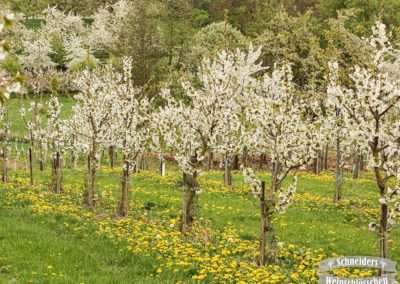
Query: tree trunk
{"points": [[100, 160], [162, 166], [89, 195], [245, 157], [41, 160], [325, 158], [210, 161], [315, 165], [339, 173], [319, 161], [383, 232], [268, 245], [30, 158], [362, 162], [111, 154], [189, 195], [73, 159], [56, 184], [123, 207], [261, 162], [227, 171], [236, 163], [141, 163], [356, 166], [4, 176], [384, 214]]}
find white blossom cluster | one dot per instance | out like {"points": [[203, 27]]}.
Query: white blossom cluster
{"points": [[370, 114], [107, 24], [211, 120], [236, 83], [392, 199], [251, 179], [177, 125], [283, 198], [333, 129], [34, 123], [7, 84], [286, 196], [89, 126], [57, 30], [282, 127], [4, 19], [130, 115], [233, 106], [5, 126], [109, 111], [56, 127]]}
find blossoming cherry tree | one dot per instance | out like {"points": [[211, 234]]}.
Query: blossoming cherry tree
{"points": [[370, 113]]}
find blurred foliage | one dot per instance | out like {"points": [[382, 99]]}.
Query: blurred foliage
{"points": [[168, 37], [210, 40]]}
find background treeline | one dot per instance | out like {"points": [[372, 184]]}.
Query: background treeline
{"points": [[165, 37]]}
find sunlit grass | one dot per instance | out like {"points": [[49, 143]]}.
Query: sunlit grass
{"points": [[227, 227]]}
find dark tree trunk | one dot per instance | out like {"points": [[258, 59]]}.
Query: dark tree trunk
{"points": [[362, 162], [236, 163], [245, 157], [41, 165], [111, 154], [268, 245], [191, 185], [356, 166], [141, 164], [339, 173], [41, 161], [162, 166], [210, 163], [90, 193], [325, 158], [123, 207], [73, 160], [4, 176], [30, 158], [227, 171], [315, 165], [383, 232], [261, 161], [56, 179]]}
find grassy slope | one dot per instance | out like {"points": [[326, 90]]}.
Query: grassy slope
{"points": [[29, 243], [312, 221], [40, 250]]}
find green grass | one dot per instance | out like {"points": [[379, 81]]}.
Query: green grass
{"points": [[18, 128], [342, 229], [41, 250], [31, 244]]}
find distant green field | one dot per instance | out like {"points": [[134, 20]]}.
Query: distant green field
{"points": [[17, 124]]}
